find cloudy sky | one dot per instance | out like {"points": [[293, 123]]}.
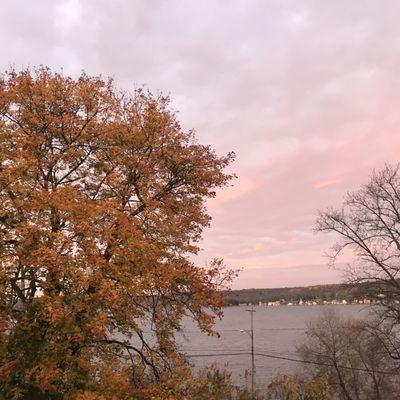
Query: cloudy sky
{"points": [[305, 92]]}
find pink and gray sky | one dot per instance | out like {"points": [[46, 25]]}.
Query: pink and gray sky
{"points": [[305, 92]]}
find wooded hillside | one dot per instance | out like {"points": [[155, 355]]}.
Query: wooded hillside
{"points": [[294, 294]]}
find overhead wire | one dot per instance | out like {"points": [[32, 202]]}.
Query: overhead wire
{"points": [[245, 350], [293, 360], [255, 329]]}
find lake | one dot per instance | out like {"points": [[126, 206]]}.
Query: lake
{"points": [[277, 332]]}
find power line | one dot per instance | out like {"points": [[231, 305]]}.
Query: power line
{"points": [[211, 348], [255, 329], [184, 331], [245, 350], [293, 360]]}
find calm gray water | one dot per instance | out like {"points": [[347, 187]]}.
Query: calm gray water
{"points": [[277, 331]]}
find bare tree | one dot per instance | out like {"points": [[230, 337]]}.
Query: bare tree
{"points": [[368, 224], [351, 357]]}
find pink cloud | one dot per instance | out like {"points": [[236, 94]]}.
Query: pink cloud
{"points": [[306, 94], [265, 243], [328, 182], [298, 275]]}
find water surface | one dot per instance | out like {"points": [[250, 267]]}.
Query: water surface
{"points": [[277, 332]]}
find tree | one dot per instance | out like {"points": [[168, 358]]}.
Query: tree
{"points": [[368, 224], [351, 357], [102, 200], [288, 387]]}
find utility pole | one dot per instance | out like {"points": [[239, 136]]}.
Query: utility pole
{"points": [[253, 365]]}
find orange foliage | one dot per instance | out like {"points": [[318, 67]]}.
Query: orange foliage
{"points": [[101, 201]]}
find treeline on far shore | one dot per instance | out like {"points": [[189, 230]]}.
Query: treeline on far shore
{"points": [[320, 294]]}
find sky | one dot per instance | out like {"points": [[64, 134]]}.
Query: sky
{"points": [[306, 93]]}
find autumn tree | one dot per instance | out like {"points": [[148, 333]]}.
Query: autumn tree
{"points": [[102, 201]]}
